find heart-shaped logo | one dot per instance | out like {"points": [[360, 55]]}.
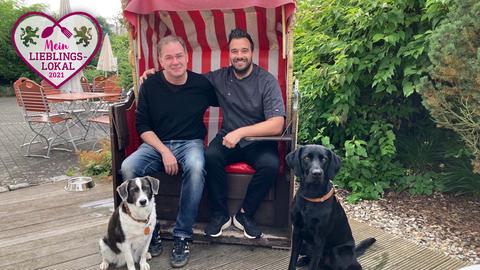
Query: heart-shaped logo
{"points": [[56, 50]]}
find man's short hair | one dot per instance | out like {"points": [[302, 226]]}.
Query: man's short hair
{"points": [[169, 39], [238, 33]]}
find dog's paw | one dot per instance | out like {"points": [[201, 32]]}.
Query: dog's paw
{"points": [[104, 265], [148, 256], [144, 266], [303, 261]]}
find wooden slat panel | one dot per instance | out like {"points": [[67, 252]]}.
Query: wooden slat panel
{"points": [[52, 201], [90, 261], [46, 251], [253, 259], [30, 194], [281, 263], [82, 248], [424, 259], [46, 243], [74, 226], [451, 264], [69, 240], [53, 214]]}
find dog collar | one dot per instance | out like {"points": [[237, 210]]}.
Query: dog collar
{"points": [[127, 210], [321, 199]]}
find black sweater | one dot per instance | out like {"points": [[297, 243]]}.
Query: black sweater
{"points": [[174, 112]]}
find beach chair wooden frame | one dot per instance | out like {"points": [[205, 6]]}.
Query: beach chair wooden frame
{"points": [[205, 30]]}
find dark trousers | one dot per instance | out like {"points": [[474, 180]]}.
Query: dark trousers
{"points": [[262, 156]]}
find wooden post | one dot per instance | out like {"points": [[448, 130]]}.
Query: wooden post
{"points": [[290, 113], [131, 53], [284, 41], [139, 55]]}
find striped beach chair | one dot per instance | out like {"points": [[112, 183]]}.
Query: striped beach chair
{"points": [[205, 26]]}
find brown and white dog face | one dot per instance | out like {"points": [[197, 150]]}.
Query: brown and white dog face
{"points": [[139, 191]]}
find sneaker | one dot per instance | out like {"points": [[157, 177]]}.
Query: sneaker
{"points": [[180, 252], [216, 225], [247, 225], [156, 247]]}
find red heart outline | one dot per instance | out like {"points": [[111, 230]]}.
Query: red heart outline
{"points": [[32, 13]]}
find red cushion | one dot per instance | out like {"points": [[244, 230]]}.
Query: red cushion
{"points": [[244, 168], [240, 168], [237, 168]]}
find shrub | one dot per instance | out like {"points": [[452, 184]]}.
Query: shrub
{"points": [[360, 63], [458, 177], [96, 163], [11, 66], [121, 49], [435, 159], [451, 89], [90, 72]]}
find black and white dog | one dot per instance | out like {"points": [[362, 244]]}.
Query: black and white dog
{"points": [[131, 225]]}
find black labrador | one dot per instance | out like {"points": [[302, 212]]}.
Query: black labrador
{"points": [[320, 227]]}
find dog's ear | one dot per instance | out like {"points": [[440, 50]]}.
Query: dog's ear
{"points": [[155, 184], [334, 165], [123, 190], [293, 161]]}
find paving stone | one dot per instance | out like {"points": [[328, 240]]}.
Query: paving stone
{"points": [[15, 168], [18, 186], [59, 178]]}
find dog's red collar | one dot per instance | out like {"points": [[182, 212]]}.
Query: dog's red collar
{"points": [[127, 210], [321, 199]]}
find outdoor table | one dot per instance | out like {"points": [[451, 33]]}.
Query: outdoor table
{"points": [[72, 99]]}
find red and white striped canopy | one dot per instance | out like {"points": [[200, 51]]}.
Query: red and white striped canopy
{"points": [[205, 25]]}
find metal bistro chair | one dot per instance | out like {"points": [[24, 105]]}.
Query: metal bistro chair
{"points": [[56, 107], [100, 121], [62, 107], [16, 89], [111, 86], [37, 115], [98, 84], [20, 105], [48, 89], [85, 84]]}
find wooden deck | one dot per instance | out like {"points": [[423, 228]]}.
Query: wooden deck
{"points": [[45, 227]]}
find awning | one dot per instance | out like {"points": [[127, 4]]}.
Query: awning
{"points": [[144, 7], [205, 26]]}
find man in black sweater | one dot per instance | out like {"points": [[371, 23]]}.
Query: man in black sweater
{"points": [[169, 119]]}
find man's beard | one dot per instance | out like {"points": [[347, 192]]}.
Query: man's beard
{"points": [[244, 70]]}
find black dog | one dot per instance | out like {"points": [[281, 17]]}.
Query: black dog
{"points": [[320, 226]]}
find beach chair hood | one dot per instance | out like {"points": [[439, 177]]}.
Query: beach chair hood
{"points": [[205, 25]]}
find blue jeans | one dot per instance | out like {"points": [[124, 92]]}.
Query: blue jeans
{"points": [[190, 157]]}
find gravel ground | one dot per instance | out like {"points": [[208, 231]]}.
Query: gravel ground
{"points": [[441, 222]]}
